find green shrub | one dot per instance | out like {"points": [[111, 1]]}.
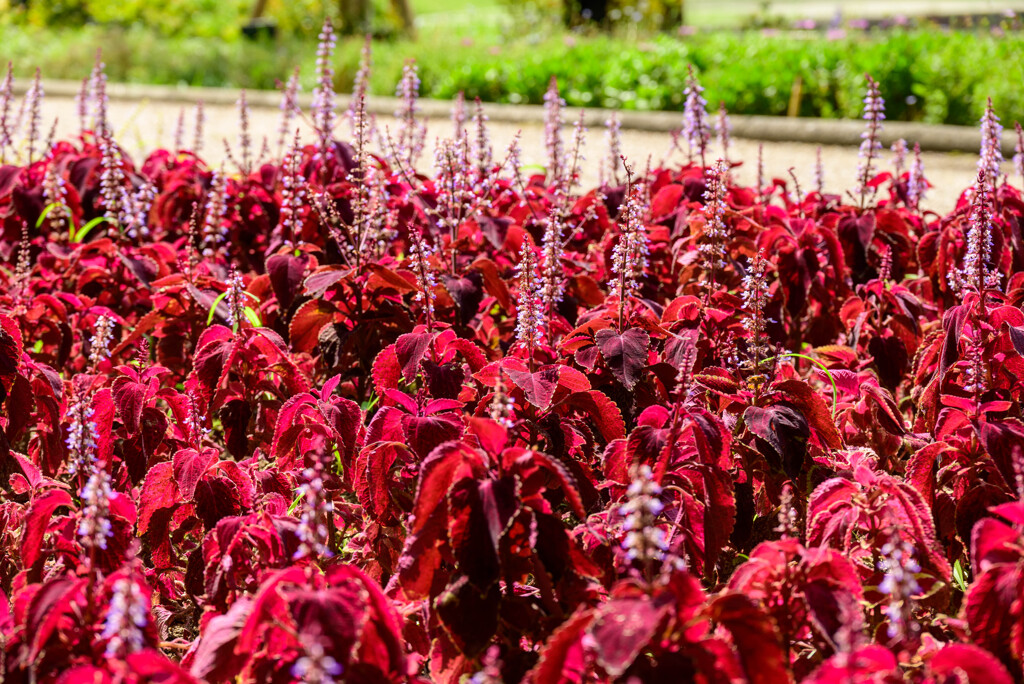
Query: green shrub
{"points": [[925, 75]]}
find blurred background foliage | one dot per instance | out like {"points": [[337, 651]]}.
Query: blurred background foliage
{"points": [[629, 54]]}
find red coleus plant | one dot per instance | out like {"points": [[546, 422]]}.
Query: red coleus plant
{"points": [[320, 417]]}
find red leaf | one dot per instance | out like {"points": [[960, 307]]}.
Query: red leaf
{"points": [[625, 353], [286, 273], [189, 467], [992, 610], [129, 398], [215, 658], [37, 520], [666, 201], [602, 411], [410, 350], [539, 387], [755, 637], [372, 483], [306, 324], [385, 278], [957, 660], [48, 607], [870, 664], [563, 658], [624, 626], [158, 492]]}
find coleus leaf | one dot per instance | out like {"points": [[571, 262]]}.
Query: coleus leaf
{"points": [[755, 637], [956, 661], [624, 626], [307, 323], [470, 614], [467, 293], [48, 606], [189, 468], [784, 430], [872, 663], [129, 397], [625, 353], [992, 611], [159, 492], [410, 350], [286, 273], [37, 520], [539, 387], [563, 657]]}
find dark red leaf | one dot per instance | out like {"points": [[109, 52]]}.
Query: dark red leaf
{"points": [[625, 353]]}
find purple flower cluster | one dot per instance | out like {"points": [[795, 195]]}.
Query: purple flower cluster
{"points": [[695, 112], [112, 179], [235, 298], [315, 513], [723, 130], [99, 344], [529, 303], [977, 274], [81, 439], [755, 298], [127, 619], [644, 541], [136, 212], [411, 131], [95, 528], [553, 104], [6, 99], [34, 106], [293, 192], [502, 406], [55, 194], [289, 108], [315, 666], [481, 143], [244, 138], [197, 136], [420, 253], [613, 140], [874, 115], [323, 93], [629, 258], [899, 157], [916, 184], [214, 211], [900, 585], [991, 146], [716, 233]]}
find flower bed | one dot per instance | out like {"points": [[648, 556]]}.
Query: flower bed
{"points": [[327, 418]]}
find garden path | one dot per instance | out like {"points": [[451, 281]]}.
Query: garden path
{"points": [[143, 126]]}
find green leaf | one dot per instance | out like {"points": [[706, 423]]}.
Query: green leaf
{"points": [[84, 230], [46, 212], [213, 307], [959, 576], [253, 317]]}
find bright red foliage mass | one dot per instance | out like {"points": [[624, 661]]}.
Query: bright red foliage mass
{"points": [[355, 446]]}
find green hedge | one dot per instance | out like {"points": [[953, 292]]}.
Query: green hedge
{"points": [[925, 75]]}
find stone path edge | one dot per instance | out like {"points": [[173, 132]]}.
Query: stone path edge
{"points": [[932, 137]]}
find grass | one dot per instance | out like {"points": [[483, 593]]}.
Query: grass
{"points": [[435, 6]]}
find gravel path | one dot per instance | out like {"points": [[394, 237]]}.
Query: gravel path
{"points": [[142, 126]]}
